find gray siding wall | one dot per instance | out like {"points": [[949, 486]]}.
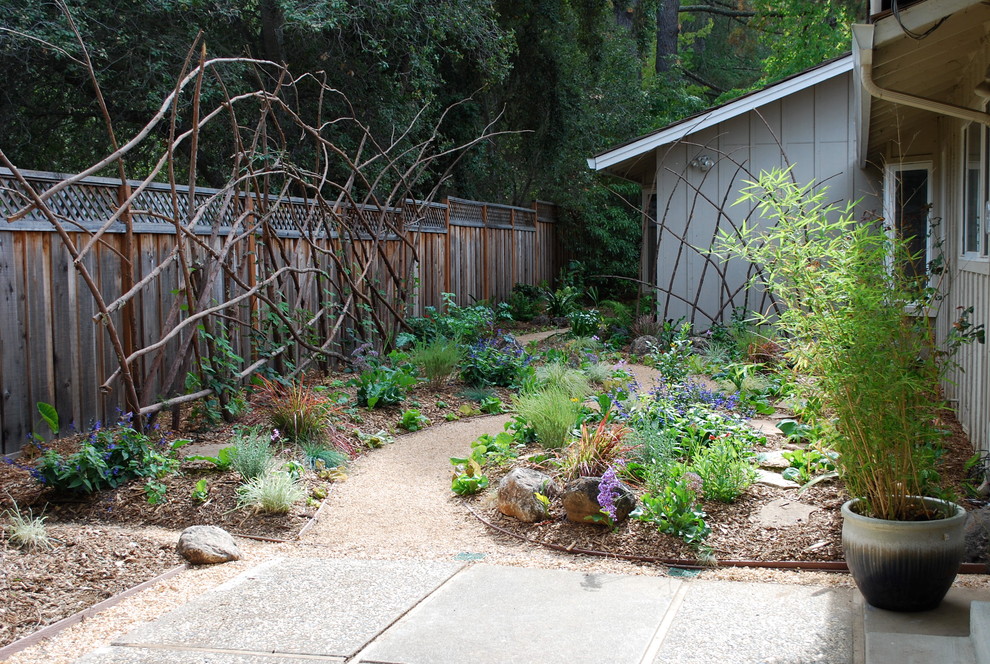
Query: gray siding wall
{"points": [[811, 130]]}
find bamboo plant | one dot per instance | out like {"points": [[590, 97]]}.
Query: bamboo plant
{"points": [[860, 327]]}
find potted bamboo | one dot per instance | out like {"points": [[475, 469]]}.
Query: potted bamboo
{"points": [[861, 328]]}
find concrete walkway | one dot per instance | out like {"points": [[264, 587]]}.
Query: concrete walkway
{"points": [[301, 610]]}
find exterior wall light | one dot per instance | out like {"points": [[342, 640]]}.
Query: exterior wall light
{"points": [[703, 163]]}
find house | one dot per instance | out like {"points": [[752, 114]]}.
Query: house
{"points": [[900, 126]]}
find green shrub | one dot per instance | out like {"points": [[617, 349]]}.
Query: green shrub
{"points": [[437, 359], [413, 420], [561, 302], [450, 321], [585, 323], [673, 510], [525, 303], [273, 492], [252, 453], [106, 459], [725, 473], [552, 414]]}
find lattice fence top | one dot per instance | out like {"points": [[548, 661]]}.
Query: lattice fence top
{"points": [[89, 203]]}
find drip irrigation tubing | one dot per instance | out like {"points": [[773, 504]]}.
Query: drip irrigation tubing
{"points": [[817, 565]]}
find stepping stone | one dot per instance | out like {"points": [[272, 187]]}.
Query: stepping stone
{"points": [[488, 614], [773, 459], [783, 513], [768, 478], [765, 427]]}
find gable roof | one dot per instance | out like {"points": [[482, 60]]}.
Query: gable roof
{"points": [[675, 132]]}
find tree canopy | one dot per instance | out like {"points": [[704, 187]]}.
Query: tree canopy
{"points": [[563, 78]]}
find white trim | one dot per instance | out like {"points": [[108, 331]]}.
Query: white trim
{"points": [[719, 114]]}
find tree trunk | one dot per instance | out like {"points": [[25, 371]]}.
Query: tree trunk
{"points": [[272, 22], [667, 30]]}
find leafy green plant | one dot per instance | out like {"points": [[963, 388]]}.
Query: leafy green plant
{"points": [[27, 530], [551, 413], [670, 357], [585, 323], [845, 292], [223, 460], [725, 473], [380, 438], [466, 485], [272, 492], [525, 302], [107, 458], [200, 491], [450, 321], [437, 359], [489, 449], [218, 371], [491, 405], [383, 386], [561, 302], [806, 464], [155, 491], [498, 360], [673, 510], [252, 453], [413, 420]]}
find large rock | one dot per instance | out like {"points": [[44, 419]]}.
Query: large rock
{"points": [[644, 345], [207, 545], [517, 494], [580, 500], [978, 536]]}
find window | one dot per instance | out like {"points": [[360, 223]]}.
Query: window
{"points": [[975, 191], [908, 203]]}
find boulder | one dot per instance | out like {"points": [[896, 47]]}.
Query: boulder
{"points": [[541, 321], [517, 494], [978, 536], [207, 545], [580, 500], [644, 345]]}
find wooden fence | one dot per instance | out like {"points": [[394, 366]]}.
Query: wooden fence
{"points": [[53, 348]]}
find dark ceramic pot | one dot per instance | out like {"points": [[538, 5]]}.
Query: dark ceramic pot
{"points": [[904, 565]]}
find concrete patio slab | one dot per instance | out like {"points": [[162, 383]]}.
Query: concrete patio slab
{"points": [[488, 614], [760, 623], [129, 655], [298, 606], [951, 618], [918, 649]]}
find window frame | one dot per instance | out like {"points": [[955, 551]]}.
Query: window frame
{"points": [[980, 254], [890, 173]]}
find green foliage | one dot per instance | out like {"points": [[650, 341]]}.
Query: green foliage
{"points": [[807, 463], [846, 292], [489, 449], [673, 510], [552, 414], [497, 360], [466, 485], [670, 358], [491, 405], [561, 302], [437, 359], [272, 492], [50, 416], [319, 457], [585, 323], [558, 376], [383, 386], [200, 491], [724, 469], [463, 325], [223, 460], [107, 458], [217, 371], [381, 438], [252, 453], [154, 492], [413, 420], [27, 530], [525, 303]]}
